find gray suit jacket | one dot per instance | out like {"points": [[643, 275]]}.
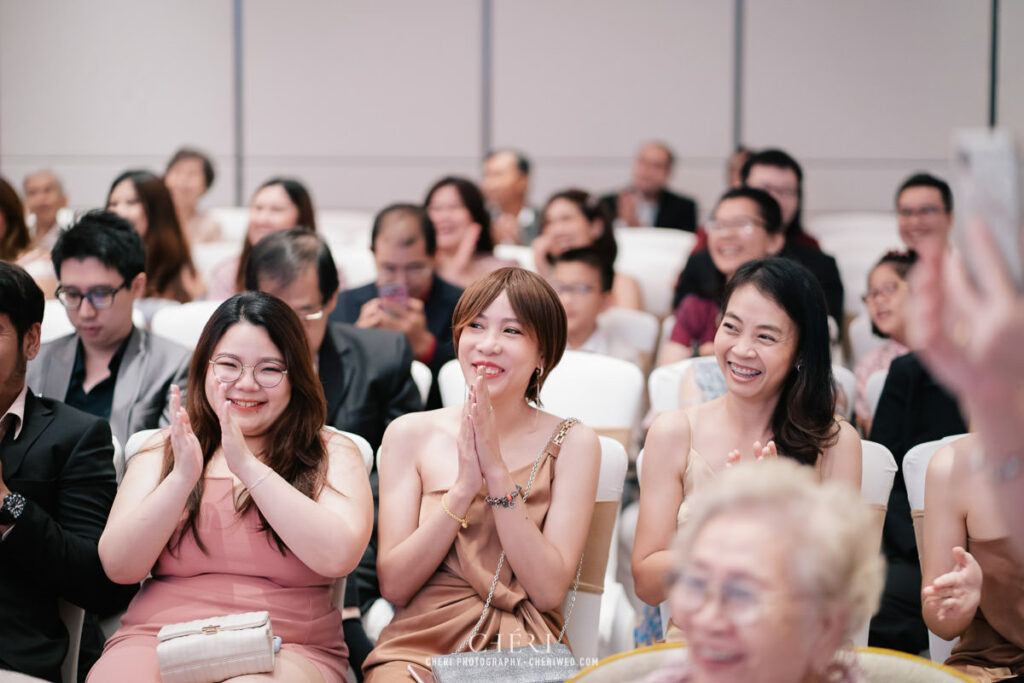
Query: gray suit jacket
{"points": [[149, 366]]}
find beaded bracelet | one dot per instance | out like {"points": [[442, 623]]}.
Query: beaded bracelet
{"points": [[444, 506], [505, 501]]}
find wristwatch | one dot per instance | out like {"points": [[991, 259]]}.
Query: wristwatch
{"points": [[10, 511]]}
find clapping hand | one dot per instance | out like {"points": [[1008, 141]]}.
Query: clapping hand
{"points": [[469, 476], [485, 431], [758, 453], [236, 451], [956, 593], [188, 456]]}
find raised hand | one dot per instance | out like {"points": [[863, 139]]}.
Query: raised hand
{"points": [[758, 452], [485, 430], [188, 456], [467, 248], [957, 593], [469, 478], [236, 451]]}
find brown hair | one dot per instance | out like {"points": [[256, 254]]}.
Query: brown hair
{"points": [[299, 196], [536, 305], [294, 447], [14, 239], [167, 251]]}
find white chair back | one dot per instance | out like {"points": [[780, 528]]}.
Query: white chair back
{"points": [[664, 382], [184, 324], [857, 241], [582, 630], [234, 222], [423, 378], [522, 255], [355, 262], [73, 617], [846, 388], [639, 329], [451, 383], [873, 389], [655, 257], [862, 340], [365, 450], [915, 467], [206, 256], [347, 227]]}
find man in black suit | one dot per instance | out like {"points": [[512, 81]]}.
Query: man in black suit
{"points": [[408, 296], [648, 202], [56, 487], [364, 372]]}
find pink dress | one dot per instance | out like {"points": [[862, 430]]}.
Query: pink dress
{"points": [[242, 572]]}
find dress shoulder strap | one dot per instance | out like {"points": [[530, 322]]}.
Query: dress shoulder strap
{"points": [[554, 445]]}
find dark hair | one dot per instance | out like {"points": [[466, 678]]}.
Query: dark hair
{"points": [[535, 304], [294, 447], [410, 211], [767, 207], [522, 161], [300, 197], [922, 179], [594, 258], [283, 255], [592, 210], [185, 153], [473, 200], [803, 423], [901, 262], [779, 159], [167, 251], [105, 236], [21, 300], [15, 238]]}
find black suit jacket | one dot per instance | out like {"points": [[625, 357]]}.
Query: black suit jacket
{"points": [[62, 462], [366, 380], [438, 308], [912, 409], [674, 210]]}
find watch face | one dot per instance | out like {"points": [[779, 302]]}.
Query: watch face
{"points": [[13, 506]]}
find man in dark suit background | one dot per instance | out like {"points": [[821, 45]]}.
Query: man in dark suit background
{"points": [[364, 372], [56, 488], [648, 202], [408, 296]]}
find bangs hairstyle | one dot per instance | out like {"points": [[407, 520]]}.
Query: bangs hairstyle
{"points": [[901, 262], [833, 554], [804, 422], [536, 305], [294, 447], [303, 201]]}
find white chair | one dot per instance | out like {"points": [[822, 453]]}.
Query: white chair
{"points": [[915, 466], [73, 617], [857, 240], [356, 263], [365, 450], [451, 383], [423, 378], [878, 470], [655, 257], [664, 382], [873, 389], [184, 324], [637, 328], [585, 620], [207, 256], [846, 382], [234, 222], [861, 339], [135, 442], [345, 227], [886, 666], [605, 393], [523, 255]]}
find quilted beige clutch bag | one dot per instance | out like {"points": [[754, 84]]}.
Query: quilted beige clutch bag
{"points": [[213, 649]]}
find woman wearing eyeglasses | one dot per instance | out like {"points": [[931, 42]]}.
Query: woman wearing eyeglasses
{"points": [[246, 503], [772, 347], [771, 576], [886, 301], [746, 225]]}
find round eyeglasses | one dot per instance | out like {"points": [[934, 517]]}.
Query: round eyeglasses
{"points": [[741, 601], [228, 369], [99, 297]]}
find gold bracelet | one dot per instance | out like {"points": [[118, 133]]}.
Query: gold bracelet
{"points": [[460, 520]]}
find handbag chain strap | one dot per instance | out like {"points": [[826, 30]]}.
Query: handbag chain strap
{"points": [[557, 439]]}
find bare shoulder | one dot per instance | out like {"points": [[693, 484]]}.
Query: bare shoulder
{"points": [[954, 461], [340, 448], [672, 425], [847, 433], [413, 427]]}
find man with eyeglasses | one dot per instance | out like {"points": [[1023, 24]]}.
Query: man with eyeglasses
{"points": [[924, 208], [408, 296], [57, 484], [364, 373], [107, 367]]}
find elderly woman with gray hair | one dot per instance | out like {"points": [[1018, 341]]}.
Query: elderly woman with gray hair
{"points": [[772, 575]]}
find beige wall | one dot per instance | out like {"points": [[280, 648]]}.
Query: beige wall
{"points": [[370, 101]]}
